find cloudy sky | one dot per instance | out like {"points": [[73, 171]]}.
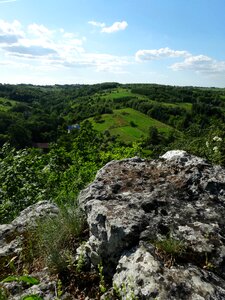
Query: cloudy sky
{"points": [[177, 42]]}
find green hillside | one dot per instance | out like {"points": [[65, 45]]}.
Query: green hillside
{"points": [[121, 93], [6, 104], [129, 124]]}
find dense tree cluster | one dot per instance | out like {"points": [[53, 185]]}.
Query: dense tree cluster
{"points": [[41, 114], [188, 118]]}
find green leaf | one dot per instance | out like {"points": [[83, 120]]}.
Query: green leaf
{"points": [[10, 279], [27, 279], [32, 297]]}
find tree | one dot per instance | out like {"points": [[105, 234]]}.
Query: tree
{"points": [[153, 135], [19, 136]]}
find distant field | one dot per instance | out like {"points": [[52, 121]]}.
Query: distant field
{"points": [[119, 123], [121, 93], [117, 93], [187, 106], [124, 92], [6, 104]]}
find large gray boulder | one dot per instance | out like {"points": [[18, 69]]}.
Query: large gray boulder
{"points": [[158, 227]]}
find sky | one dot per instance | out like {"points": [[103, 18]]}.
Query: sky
{"points": [[175, 42]]}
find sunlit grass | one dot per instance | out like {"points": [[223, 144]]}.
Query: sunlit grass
{"points": [[119, 123]]}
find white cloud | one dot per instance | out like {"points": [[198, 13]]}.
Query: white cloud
{"points": [[104, 62], [36, 41], [97, 61], [153, 54], [14, 28], [117, 26], [69, 35], [31, 51], [96, 24], [197, 63], [5, 63], [7, 1], [49, 49], [39, 30], [10, 33], [8, 39], [200, 63]]}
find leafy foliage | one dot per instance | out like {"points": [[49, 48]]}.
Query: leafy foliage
{"points": [[32, 297], [25, 278], [40, 114], [21, 180], [115, 121], [57, 238], [171, 246]]}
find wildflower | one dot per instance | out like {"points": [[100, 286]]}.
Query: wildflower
{"points": [[207, 144], [217, 139], [215, 149]]}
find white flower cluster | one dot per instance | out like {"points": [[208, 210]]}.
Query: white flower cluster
{"points": [[217, 139], [215, 149]]}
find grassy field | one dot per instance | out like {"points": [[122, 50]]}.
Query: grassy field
{"points": [[119, 93], [6, 104], [120, 124]]}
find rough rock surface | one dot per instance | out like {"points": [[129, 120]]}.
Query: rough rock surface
{"points": [[12, 238], [46, 289], [11, 235], [159, 227]]}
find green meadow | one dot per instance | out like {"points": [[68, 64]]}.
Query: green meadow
{"points": [[128, 124], [6, 104]]}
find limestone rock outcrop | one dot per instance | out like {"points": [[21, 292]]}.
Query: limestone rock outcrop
{"points": [[12, 235], [12, 239], [158, 227]]}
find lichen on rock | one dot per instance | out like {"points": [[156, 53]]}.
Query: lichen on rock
{"points": [[12, 240], [156, 226], [11, 235], [134, 203]]}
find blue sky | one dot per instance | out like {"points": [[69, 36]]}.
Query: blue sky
{"points": [[176, 42]]}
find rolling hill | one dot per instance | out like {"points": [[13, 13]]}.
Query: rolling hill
{"points": [[128, 124]]}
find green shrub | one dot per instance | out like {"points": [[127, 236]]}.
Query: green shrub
{"points": [[32, 297], [25, 279], [169, 250], [58, 238], [170, 246]]}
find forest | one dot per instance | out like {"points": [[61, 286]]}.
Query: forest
{"points": [[112, 121], [54, 139]]}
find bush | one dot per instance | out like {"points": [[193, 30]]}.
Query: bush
{"points": [[132, 124], [21, 181], [58, 238]]}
